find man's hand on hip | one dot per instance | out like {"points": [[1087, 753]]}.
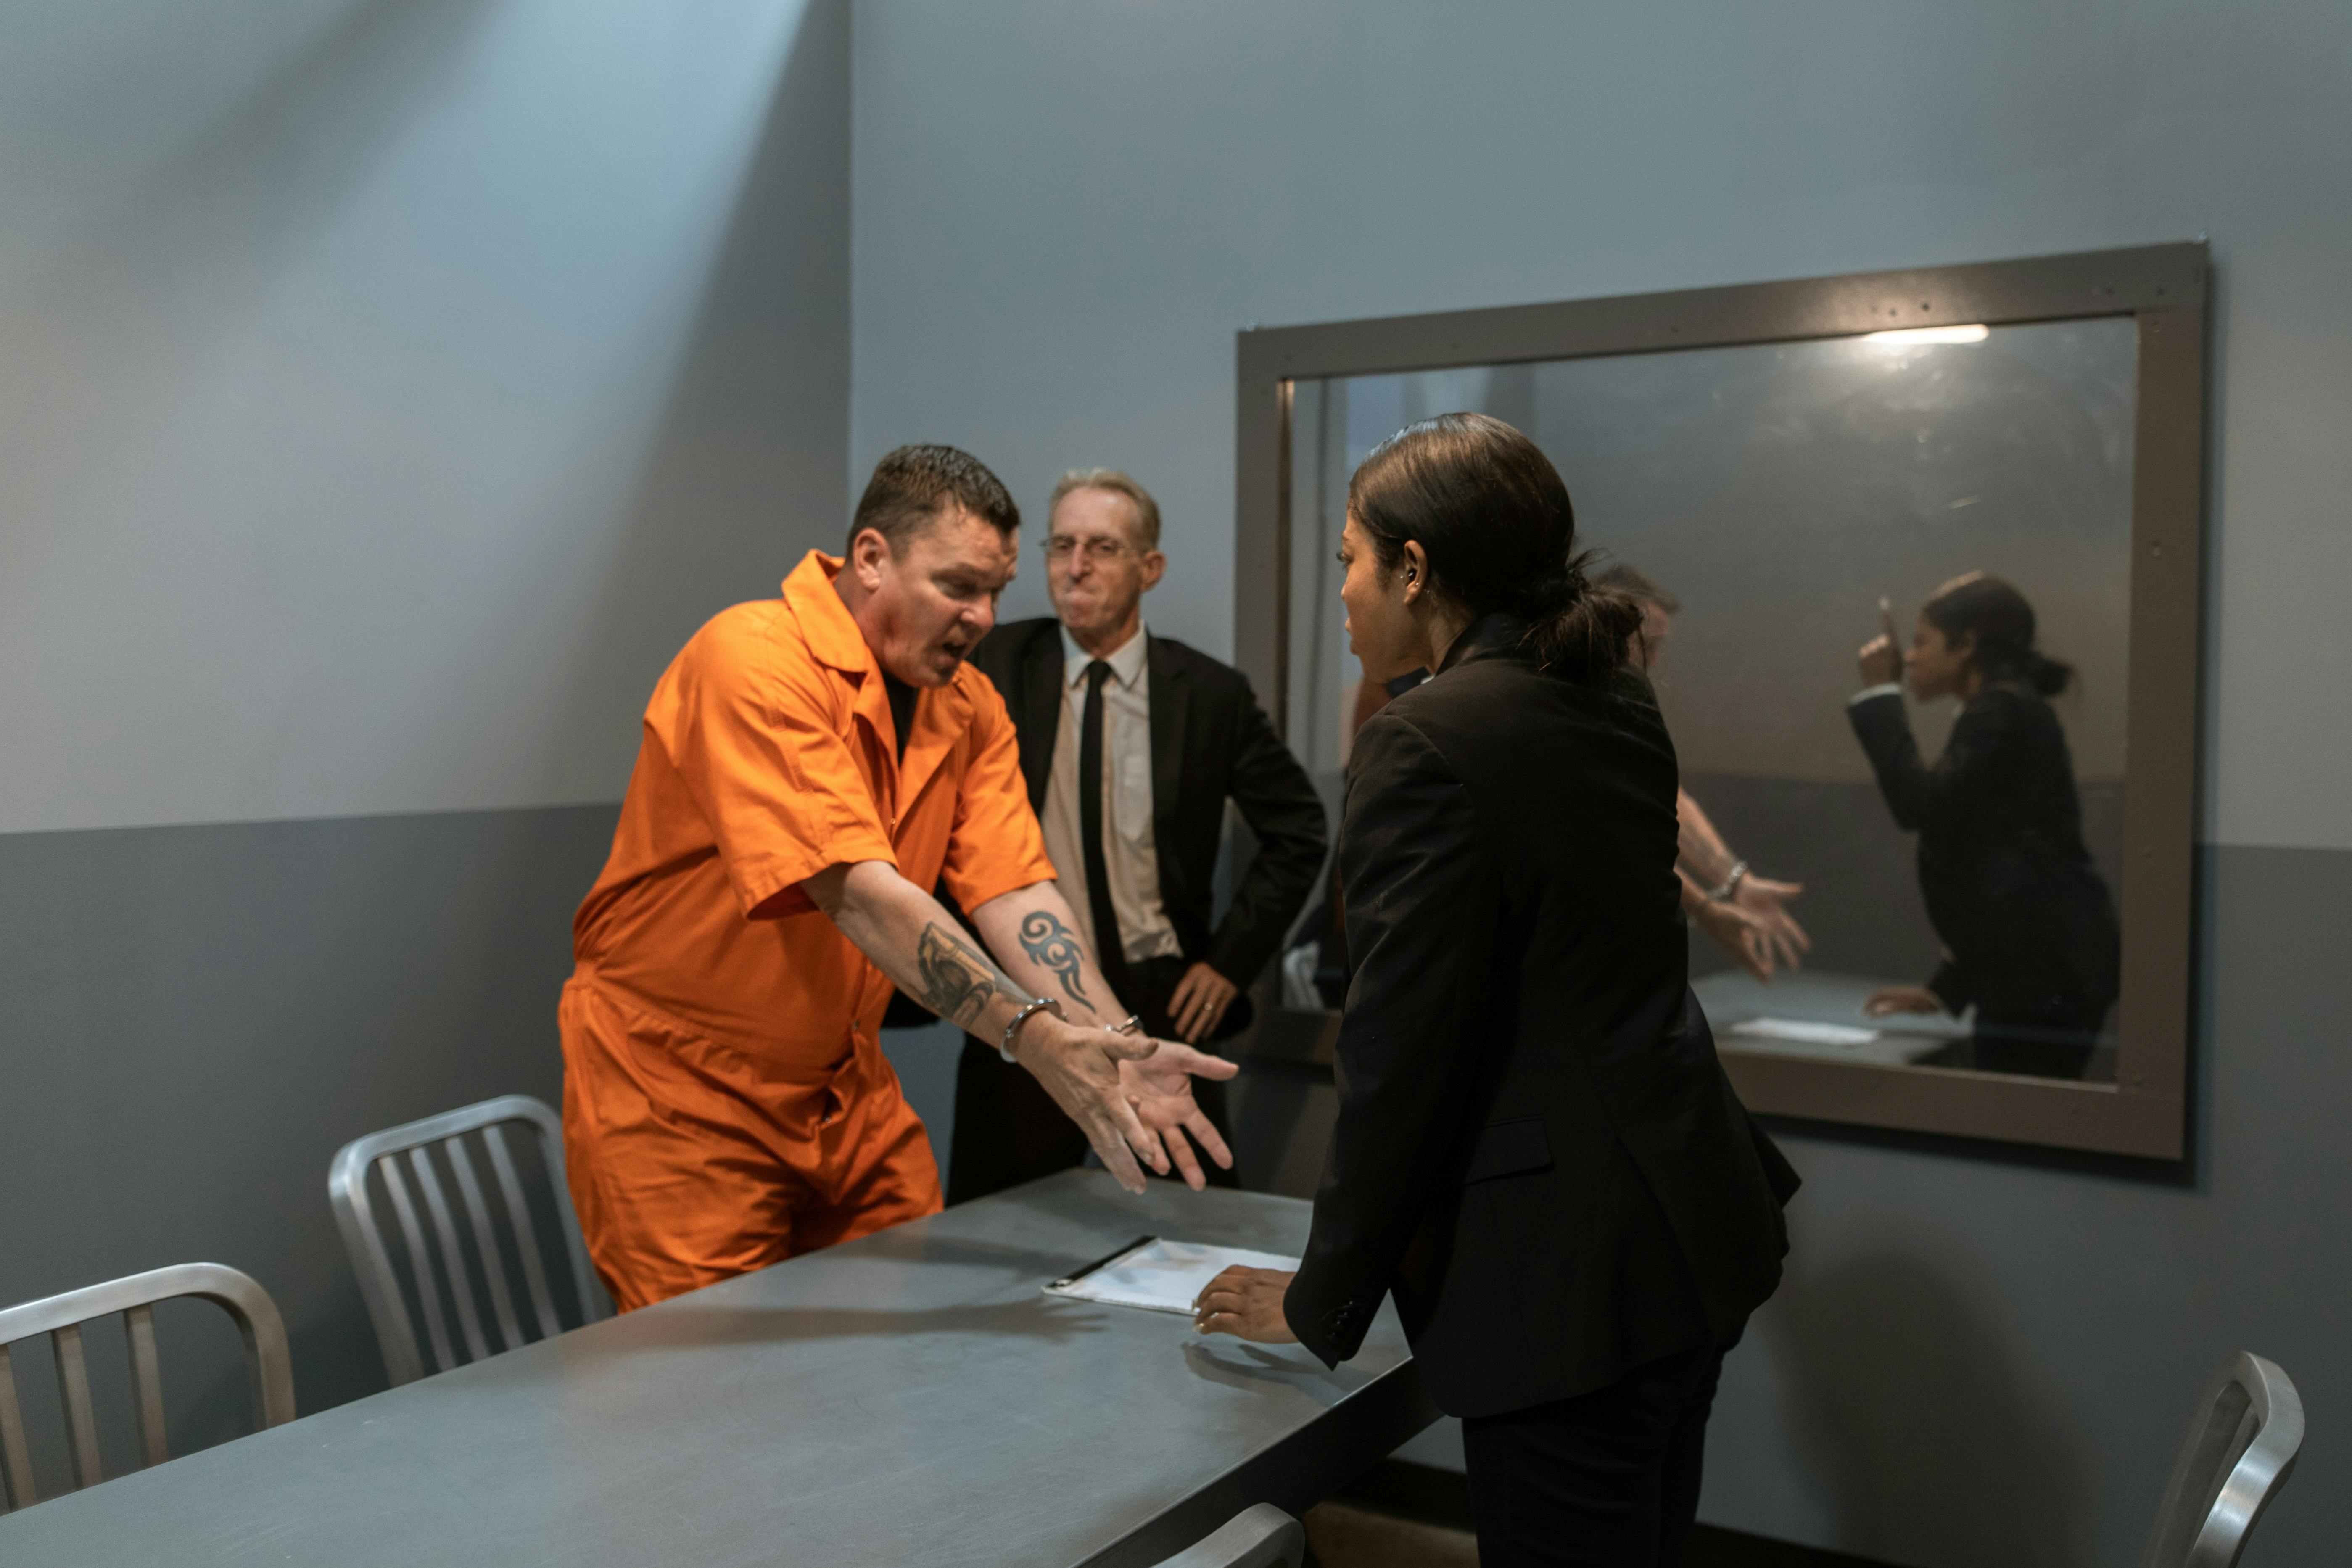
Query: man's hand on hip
{"points": [[1197, 1004]]}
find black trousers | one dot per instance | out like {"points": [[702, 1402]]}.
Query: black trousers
{"points": [[1008, 1129], [1604, 1479]]}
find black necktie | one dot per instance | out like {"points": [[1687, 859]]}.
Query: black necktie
{"points": [[1110, 952]]}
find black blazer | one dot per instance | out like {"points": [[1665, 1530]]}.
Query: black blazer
{"points": [[2027, 924], [1210, 742], [1537, 1150]]}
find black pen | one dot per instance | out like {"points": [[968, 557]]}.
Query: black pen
{"points": [[1107, 1258]]}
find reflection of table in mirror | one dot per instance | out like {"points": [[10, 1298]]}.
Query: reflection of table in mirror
{"points": [[910, 1398], [1817, 1015], [1813, 1013]]}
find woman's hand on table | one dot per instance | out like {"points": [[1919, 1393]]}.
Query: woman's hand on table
{"points": [[1902, 999], [1246, 1303]]}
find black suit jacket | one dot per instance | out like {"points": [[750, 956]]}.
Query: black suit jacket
{"points": [[1210, 742], [1537, 1150], [2029, 927]]}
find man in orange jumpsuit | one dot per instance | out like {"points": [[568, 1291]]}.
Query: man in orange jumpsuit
{"points": [[810, 765]]}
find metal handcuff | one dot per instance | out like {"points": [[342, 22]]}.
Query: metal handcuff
{"points": [[1047, 1004]]}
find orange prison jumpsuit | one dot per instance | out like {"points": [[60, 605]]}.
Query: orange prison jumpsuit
{"points": [[725, 1102]]}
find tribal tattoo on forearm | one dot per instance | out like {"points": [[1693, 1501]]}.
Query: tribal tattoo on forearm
{"points": [[1054, 947], [957, 982]]}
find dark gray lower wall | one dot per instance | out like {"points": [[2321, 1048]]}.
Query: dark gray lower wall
{"points": [[194, 1019]]}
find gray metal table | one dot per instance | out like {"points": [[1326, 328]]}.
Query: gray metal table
{"points": [[908, 1399]]}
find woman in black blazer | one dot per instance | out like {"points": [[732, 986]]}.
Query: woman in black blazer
{"points": [[1536, 1150], [2028, 928]]}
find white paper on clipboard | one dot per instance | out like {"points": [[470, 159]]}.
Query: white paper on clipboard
{"points": [[1162, 1275]]}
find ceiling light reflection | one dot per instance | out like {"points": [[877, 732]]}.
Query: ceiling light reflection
{"points": [[1975, 333]]}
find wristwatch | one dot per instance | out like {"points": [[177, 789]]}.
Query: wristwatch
{"points": [[1030, 1010]]}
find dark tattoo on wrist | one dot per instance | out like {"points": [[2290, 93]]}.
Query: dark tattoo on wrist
{"points": [[1051, 945], [956, 981]]}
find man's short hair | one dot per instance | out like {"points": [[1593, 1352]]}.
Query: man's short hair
{"points": [[1638, 586], [915, 485], [1147, 511]]}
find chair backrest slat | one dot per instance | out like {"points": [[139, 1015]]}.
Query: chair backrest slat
{"points": [[494, 1226], [453, 1257], [2241, 1448], [526, 1235], [347, 1190], [1260, 1536], [146, 1382], [62, 1317], [429, 1288], [15, 1454], [485, 1241], [73, 1394]]}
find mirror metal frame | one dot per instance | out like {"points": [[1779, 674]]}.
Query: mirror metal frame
{"points": [[2164, 289]]}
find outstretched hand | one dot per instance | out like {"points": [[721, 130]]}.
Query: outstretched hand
{"points": [[1784, 939], [1741, 934], [1160, 1089], [1081, 1069]]}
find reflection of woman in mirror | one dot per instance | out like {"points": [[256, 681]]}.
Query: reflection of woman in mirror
{"points": [[2029, 930], [1740, 911]]}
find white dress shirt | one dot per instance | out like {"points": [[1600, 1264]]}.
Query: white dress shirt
{"points": [[1130, 855]]}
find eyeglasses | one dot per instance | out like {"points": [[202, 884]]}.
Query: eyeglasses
{"points": [[1102, 551]]}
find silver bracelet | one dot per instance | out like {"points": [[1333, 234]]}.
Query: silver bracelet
{"points": [[1730, 882], [1029, 1011]]}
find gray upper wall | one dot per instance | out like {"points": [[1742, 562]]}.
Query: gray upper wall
{"points": [[387, 387], [1064, 211]]}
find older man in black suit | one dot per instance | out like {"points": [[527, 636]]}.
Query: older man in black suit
{"points": [[1131, 745]]}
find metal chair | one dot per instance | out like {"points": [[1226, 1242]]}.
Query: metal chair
{"points": [[2241, 1448], [1260, 1536], [444, 1276], [62, 1317]]}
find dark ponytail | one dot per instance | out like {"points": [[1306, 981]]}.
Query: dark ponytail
{"points": [[2000, 622], [1490, 512]]}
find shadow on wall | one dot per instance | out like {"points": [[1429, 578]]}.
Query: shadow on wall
{"points": [[1920, 1417]]}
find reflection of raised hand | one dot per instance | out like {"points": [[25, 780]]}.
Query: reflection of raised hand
{"points": [[1902, 999], [1882, 657], [1761, 897], [1160, 1088]]}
